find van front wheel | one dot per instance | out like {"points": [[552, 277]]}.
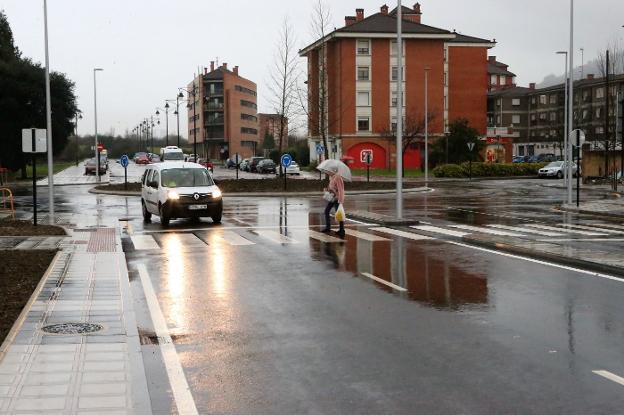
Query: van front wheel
{"points": [[147, 217], [164, 219]]}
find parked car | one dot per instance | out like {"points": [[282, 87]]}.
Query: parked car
{"points": [[244, 165], [543, 158], [143, 158], [266, 166], [230, 164], [555, 169], [91, 167], [138, 154], [171, 153], [192, 158], [253, 162], [520, 159], [176, 189], [207, 164], [293, 169]]}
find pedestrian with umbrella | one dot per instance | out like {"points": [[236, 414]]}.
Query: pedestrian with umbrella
{"points": [[334, 194]]}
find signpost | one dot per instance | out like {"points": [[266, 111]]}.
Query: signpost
{"points": [[34, 141], [320, 149], [124, 161], [286, 161], [367, 157], [580, 139], [471, 146], [237, 160]]}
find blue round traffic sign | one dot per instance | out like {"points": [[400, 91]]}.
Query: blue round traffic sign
{"points": [[124, 161], [320, 149], [286, 160]]}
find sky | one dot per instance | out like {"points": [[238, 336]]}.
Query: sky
{"points": [[149, 48]]}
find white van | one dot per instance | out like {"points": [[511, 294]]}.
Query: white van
{"points": [[177, 189], [171, 153]]}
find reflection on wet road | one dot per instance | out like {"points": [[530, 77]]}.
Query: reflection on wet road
{"points": [[269, 316]]}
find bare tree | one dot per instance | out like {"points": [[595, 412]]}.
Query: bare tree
{"points": [[284, 81], [413, 132]]}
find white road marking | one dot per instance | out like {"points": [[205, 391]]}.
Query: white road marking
{"points": [[234, 239], [189, 239], [609, 226], [486, 230], [220, 228], [366, 236], [552, 228], [360, 222], [275, 236], [582, 240], [538, 261], [179, 385], [403, 234], [384, 282], [526, 230], [144, 242], [435, 229], [324, 238], [608, 375], [590, 228]]}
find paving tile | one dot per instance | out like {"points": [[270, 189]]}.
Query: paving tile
{"points": [[103, 389], [10, 369], [99, 377], [15, 358], [30, 404], [54, 357], [45, 390], [102, 402], [5, 391], [52, 367], [106, 356], [110, 366], [48, 378], [104, 347], [7, 379], [56, 348]]}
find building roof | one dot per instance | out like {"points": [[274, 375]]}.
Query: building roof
{"points": [[459, 38], [509, 92], [404, 11], [499, 69], [383, 23], [580, 83]]}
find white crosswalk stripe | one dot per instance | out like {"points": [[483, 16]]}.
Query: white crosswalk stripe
{"points": [[589, 228], [522, 229], [324, 238], [486, 230], [234, 239], [275, 237], [403, 234], [435, 229], [366, 236], [579, 232], [609, 226], [144, 242]]}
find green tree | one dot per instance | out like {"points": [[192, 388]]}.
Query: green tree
{"points": [[460, 134], [269, 141], [22, 102]]}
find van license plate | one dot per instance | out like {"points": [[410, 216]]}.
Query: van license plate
{"points": [[198, 207]]}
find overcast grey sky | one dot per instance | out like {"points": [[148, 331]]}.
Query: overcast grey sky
{"points": [[148, 48]]}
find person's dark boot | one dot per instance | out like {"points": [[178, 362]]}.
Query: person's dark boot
{"points": [[341, 232], [326, 230]]}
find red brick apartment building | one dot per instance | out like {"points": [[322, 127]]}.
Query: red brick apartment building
{"points": [[226, 113], [499, 75], [361, 69]]}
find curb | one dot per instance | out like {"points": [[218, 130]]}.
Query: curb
{"points": [[547, 256], [591, 212], [277, 194], [24, 313]]}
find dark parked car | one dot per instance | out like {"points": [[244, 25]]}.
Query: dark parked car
{"points": [[253, 162], [266, 166], [521, 159], [91, 167], [244, 165], [543, 158], [230, 164]]}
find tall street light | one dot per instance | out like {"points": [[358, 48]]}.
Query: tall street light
{"points": [[177, 112], [97, 152], [78, 117], [565, 117], [48, 118], [427, 69], [571, 99], [399, 135], [166, 121]]}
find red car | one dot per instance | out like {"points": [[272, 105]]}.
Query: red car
{"points": [[142, 159], [207, 164]]}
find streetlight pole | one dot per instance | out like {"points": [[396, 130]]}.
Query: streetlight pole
{"points": [[48, 119], [78, 116], [166, 124], [570, 100], [399, 132], [97, 152], [565, 119], [180, 95], [427, 69], [582, 63]]}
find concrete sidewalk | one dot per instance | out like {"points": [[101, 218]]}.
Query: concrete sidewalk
{"points": [[608, 207], [59, 370], [73, 175]]}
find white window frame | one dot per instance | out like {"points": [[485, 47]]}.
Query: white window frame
{"points": [[361, 51], [515, 119], [493, 80], [360, 118], [363, 103], [600, 93], [368, 78], [515, 102]]}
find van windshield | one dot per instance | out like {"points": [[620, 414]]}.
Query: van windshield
{"points": [[173, 155], [186, 178]]}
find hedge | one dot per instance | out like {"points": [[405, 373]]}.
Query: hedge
{"points": [[487, 169]]}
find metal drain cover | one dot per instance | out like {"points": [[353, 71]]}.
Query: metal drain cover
{"points": [[72, 328]]}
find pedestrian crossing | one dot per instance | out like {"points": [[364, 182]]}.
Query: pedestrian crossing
{"points": [[238, 237]]}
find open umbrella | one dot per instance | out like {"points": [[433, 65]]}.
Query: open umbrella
{"points": [[335, 167]]}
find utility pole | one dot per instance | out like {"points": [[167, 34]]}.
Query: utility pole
{"points": [[606, 131], [399, 136], [48, 119], [571, 101]]}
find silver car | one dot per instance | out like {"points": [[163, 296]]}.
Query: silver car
{"points": [[556, 169]]}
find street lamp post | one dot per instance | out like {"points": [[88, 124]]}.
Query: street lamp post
{"points": [[97, 152], [427, 69], [565, 119], [48, 119], [78, 117], [570, 100], [399, 135], [177, 112]]}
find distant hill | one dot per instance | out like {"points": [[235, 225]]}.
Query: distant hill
{"points": [[553, 79]]}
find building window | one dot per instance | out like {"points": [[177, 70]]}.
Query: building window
{"points": [[363, 99], [585, 114], [515, 102], [553, 116], [498, 120], [393, 47], [248, 117], [363, 124], [503, 80], [585, 95], [395, 73], [245, 90], [493, 80], [395, 98], [515, 119], [599, 130], [533, 117], [363, 73], [542, 99], [598, 112], [363, 47], [247, 143], [248, 104], [542, 116], [246, 130], [553, 99], [499, 102], [599, 92]]}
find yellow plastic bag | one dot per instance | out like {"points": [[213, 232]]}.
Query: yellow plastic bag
{"points": [[340, 214]]}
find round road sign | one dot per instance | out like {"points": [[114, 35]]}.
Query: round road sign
{"points": [[286, 160], [124, 161]]}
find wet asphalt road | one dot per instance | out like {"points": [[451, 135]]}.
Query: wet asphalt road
{"points": [[270, 324]]}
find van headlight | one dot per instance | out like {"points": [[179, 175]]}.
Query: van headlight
{"points": [[216, 194], [173, 195]]}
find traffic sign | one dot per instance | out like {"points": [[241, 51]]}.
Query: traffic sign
{"points": [[320, 149], [286, 160], [124, 161], [34, 140], [573, 136], [100, 147], [471, 146]]}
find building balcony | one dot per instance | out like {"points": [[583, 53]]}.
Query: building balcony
{"points": [[211, 106], [216, 121]]}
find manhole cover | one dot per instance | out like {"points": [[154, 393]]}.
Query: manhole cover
{"points": [[72, 328]]}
